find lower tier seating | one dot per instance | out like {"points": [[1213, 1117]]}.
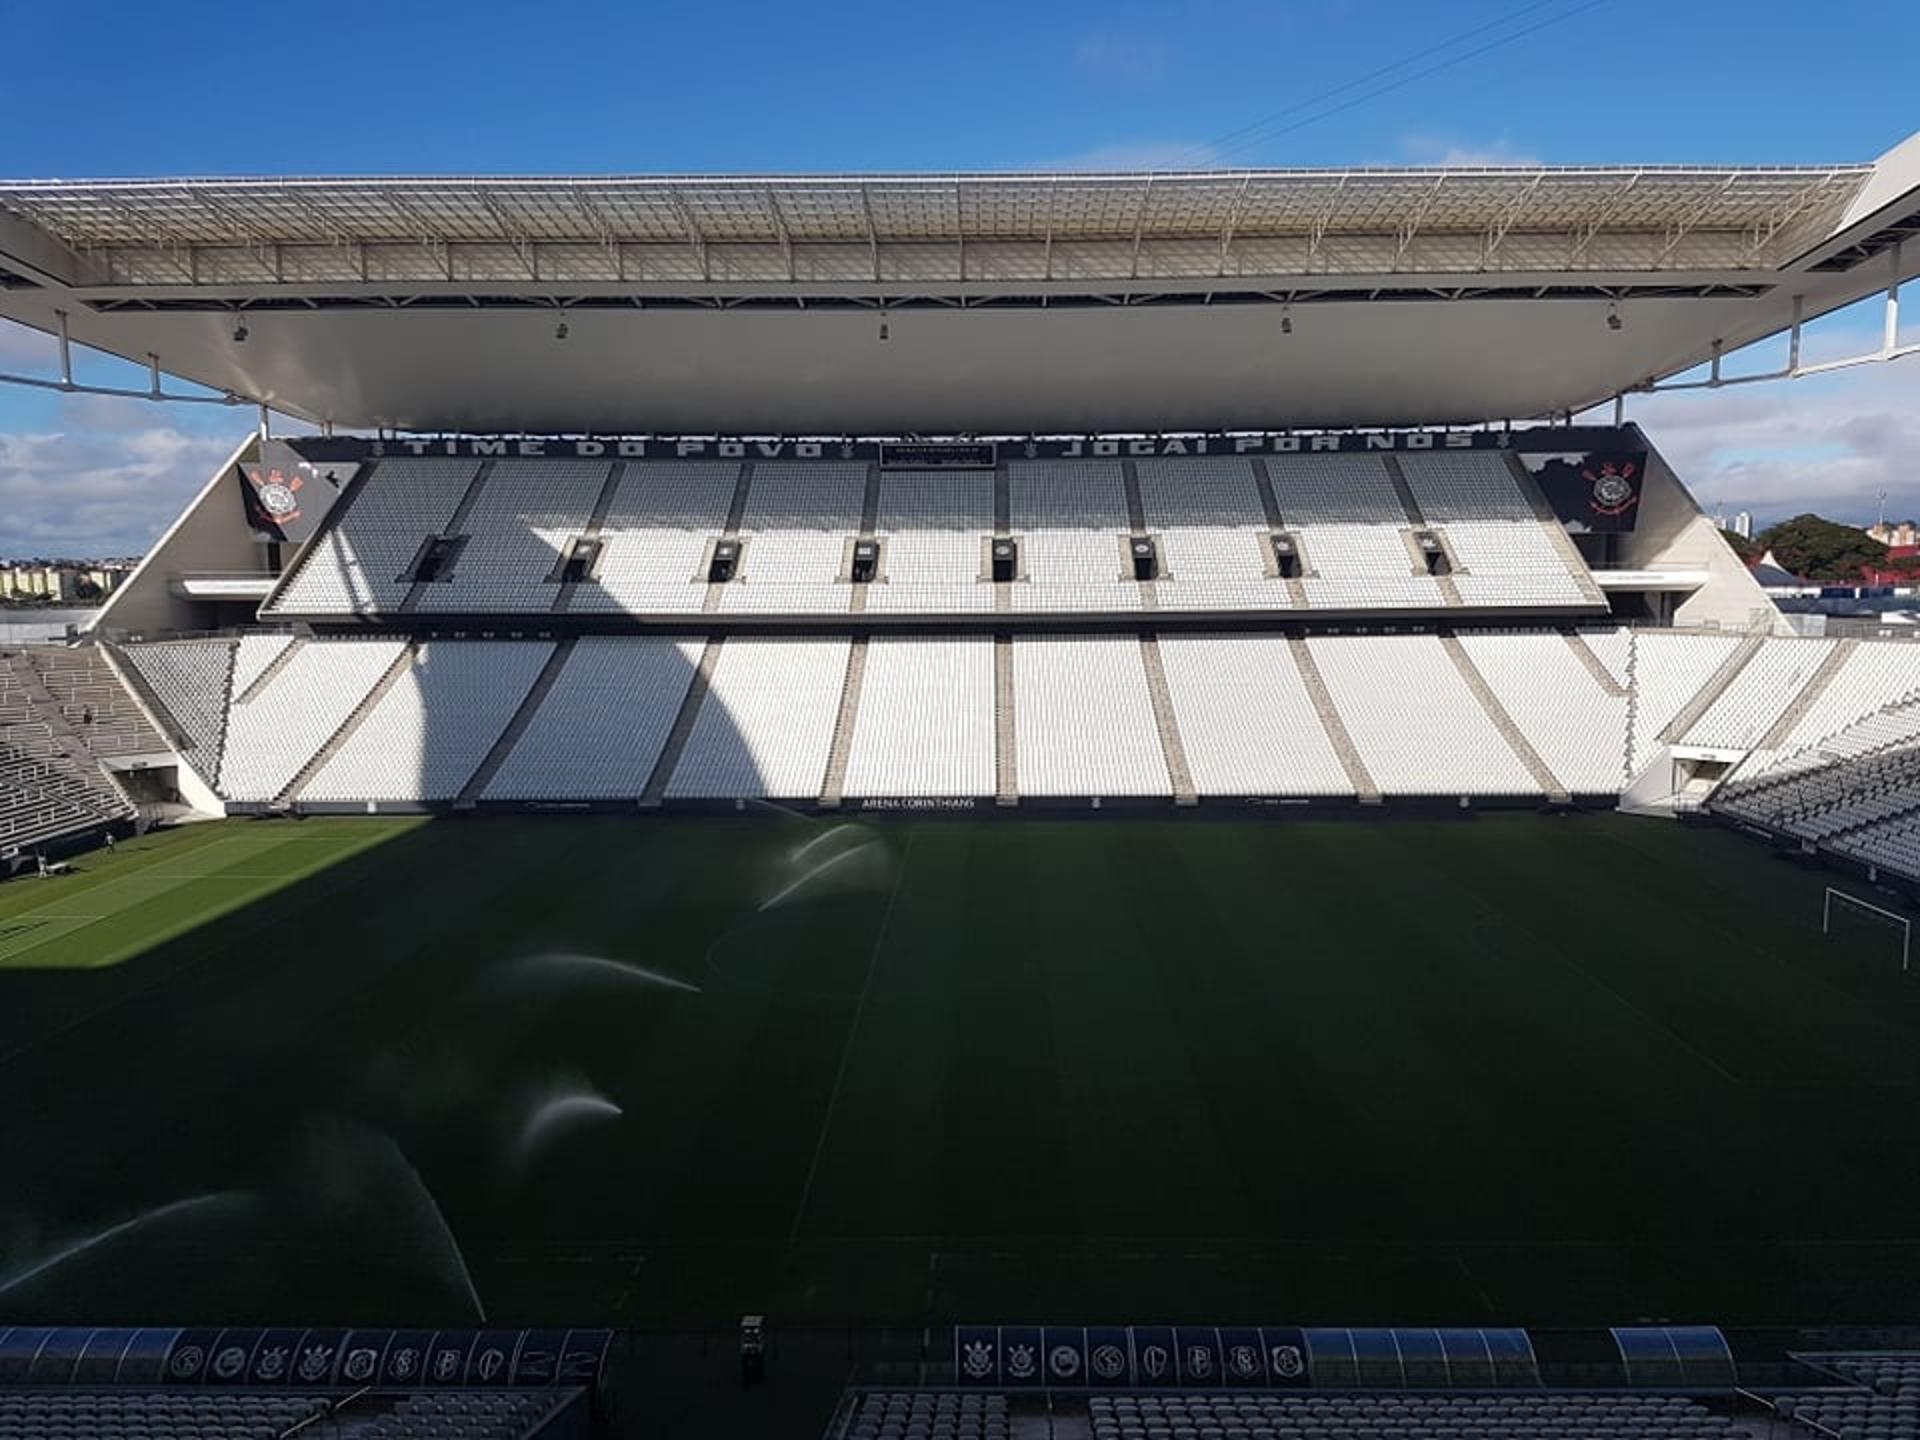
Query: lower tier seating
{"points": [[1175, 717]]}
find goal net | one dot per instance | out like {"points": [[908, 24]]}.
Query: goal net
{"points": [[1848, 917]]}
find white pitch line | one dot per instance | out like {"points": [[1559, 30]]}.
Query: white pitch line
{"points": [[853, 1029]]}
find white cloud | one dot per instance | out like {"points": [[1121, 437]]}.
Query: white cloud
{"points": [[98, 493], [1829, 444], [1452, 151], [1138, 155], [1120, 55], [27, 351]]}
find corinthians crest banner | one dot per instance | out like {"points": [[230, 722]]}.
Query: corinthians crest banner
{"points": [[1591, 491], [288, 496]]}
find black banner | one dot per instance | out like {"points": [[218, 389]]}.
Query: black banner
{"points": [[301, 1358], [1596, 492], [1245, 1357], [972, 454], [910, 455], [288, 495]]}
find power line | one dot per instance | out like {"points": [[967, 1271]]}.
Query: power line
{"points": [[1214, 146], [1259, 131]]}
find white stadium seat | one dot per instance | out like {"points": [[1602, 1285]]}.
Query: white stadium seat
{"points": [[766, 725], [925, 723], [1084, 723]]}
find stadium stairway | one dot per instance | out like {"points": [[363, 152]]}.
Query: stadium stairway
{"points": [[1816, 686], [1717, 683], [842, 750], [596, 522], [1276, 523], [1603, 676], [869, 522], [402, 662], [1137, 524], [1416, 516], [730, 530], [516, 727], [1006, 762], [456, 525], [1364, 788], [676, 741], [1167, 723], [273, 667], [1522, 748]]}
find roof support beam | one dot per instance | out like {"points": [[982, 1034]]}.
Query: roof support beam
{"points": [[28, 247], [873, 235], [1233, 220], [780, 229], [695, 237], [1690, 222]]}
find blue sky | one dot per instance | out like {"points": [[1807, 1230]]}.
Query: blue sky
{"points": [[115, 89]]}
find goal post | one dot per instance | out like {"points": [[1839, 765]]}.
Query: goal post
{"points": [[1848, 911]]}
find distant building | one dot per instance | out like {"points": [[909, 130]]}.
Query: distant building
{"points": [[1899, 536], [1743, 524], [51, 582]]}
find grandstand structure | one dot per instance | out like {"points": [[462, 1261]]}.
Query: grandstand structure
{"points": [[1242, 489]]}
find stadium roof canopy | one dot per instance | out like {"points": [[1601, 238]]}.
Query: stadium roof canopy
{"points": [[962, 303]]}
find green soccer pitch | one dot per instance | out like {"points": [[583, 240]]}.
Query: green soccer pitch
{"points": [[658, 1072]]}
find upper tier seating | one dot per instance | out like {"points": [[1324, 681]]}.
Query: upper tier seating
{"points": [[1212, 527], [797, 524], [508, 528], [935, 525], [518, 529], [358, 563], [1071, 516], [1353, 530], [654, 537], [1505, 554]]}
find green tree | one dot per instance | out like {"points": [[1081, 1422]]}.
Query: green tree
{"points": [[1748, 550], [1820, 549]]}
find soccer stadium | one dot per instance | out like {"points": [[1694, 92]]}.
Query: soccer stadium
{"points": [[1116, 806]]}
